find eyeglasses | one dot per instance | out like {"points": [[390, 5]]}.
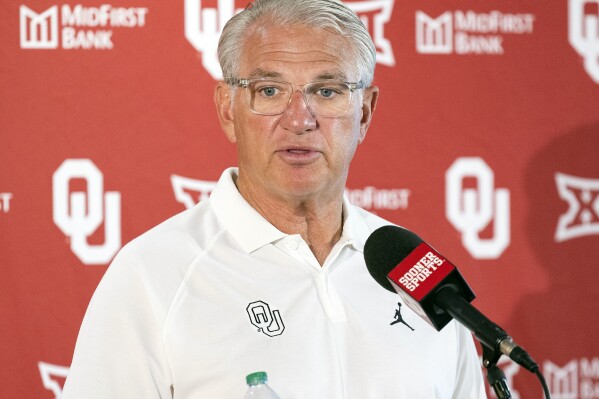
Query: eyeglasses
{"points": [[272, 97]]}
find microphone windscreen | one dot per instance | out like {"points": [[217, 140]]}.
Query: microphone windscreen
{"points": [[385, 248]]}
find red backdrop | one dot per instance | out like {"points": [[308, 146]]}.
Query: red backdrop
{"points": [[485, 142]]}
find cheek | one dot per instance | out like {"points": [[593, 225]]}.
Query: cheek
{"points": [[345, 138], [254, 132]]}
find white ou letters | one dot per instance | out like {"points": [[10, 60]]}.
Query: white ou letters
{"points": [[471, 210], [583, 31], [203, 26], [79, 214]]}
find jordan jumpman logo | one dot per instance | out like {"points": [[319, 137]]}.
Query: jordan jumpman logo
{"points": [[399, 319]]}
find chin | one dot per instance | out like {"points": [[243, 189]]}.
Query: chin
{"points": [[305, 188], [306, 181]]}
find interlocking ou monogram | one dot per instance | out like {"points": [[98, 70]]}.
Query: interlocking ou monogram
{"points": [[79, 214], [471, 210], [583, 34], [269, 323]]}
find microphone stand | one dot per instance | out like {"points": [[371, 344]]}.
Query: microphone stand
{"points": [[495, 376]]}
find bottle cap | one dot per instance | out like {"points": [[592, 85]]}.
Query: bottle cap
{"points": [[256, 378]]}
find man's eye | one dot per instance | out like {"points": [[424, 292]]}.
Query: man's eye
{"points": [[328, 92], [268, 91]]}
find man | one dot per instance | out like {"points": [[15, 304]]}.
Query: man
{"points": [[269, 273]]}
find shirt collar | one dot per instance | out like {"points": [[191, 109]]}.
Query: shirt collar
{"points": [[244, 223], [355, 229], [252, 231]]}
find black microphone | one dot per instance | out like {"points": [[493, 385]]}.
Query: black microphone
{"points": [[433, 288]]}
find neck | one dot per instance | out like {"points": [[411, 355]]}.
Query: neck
{"points": [[318, 220]]}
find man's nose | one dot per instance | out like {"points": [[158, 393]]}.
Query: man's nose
{"points": [[298, 117]]}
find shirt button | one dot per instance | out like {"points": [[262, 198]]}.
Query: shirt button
{"points": [[293, 245]]}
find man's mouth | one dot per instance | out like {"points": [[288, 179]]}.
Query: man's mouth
{"points": [[299, 156], [298, 151]]}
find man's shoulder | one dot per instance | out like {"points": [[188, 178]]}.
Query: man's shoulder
{"points": [[175, 242]]}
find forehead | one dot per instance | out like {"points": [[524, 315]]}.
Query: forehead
{"points": [[297, 53]]}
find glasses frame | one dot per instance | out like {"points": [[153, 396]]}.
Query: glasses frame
{"points": [[245, 83]]}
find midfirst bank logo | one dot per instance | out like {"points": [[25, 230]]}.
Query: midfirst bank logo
{"points": [[80, 213], [583, 33], [468, 32], [577, 379], [203, 26], [78, 27], [378, 199]]}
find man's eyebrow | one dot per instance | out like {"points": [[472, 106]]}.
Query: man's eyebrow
{"points": [[332, 76], [261, 73]]}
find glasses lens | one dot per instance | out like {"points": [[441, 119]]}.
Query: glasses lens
{"points": [[269, 97], [328, 98]]}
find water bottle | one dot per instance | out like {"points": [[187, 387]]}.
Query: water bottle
{"points": [[258, 388]]}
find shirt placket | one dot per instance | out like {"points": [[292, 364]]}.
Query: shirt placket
{"points": [[296, 247]]}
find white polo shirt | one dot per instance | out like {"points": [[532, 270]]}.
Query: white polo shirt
{"points": [[191, 307]]}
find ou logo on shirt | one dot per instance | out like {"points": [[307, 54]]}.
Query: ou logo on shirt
{"points": [[79, 214], [269, 323], [471, 210]]}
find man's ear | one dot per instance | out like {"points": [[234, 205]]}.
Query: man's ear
{"points": [[224, 108], [371, 95]]}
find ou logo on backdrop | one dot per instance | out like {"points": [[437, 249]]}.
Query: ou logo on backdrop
{"points": [[79, 214], [583, 31], [471, 210], [203, 26]]}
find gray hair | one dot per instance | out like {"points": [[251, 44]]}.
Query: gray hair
{"points": [[331, 15]]}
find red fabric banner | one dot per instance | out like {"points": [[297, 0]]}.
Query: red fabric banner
{"points": [[485, 142]]}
